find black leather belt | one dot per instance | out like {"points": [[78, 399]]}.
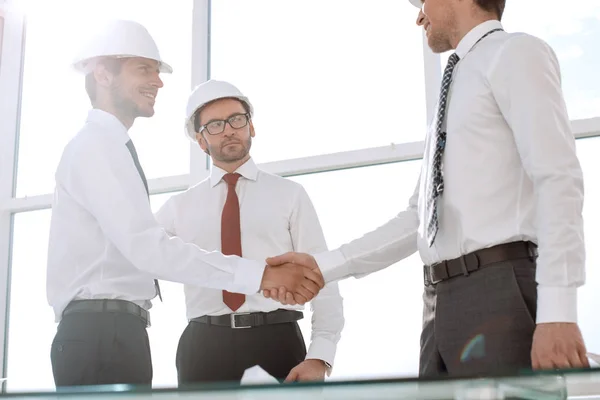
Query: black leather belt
{"points": [[471, 262], [107, 305], [250, 320]]}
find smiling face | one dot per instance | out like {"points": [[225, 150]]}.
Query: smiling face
{"points": [[127, 87], [135, 89], [439, 20]]}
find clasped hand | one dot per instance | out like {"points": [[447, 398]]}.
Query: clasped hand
{"points": [[292, 278]]}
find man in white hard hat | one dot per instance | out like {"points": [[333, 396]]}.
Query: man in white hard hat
{"points": [[106, 249], [507, 187], [242, 210]]}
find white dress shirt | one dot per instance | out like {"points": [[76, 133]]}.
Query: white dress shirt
{"points": [[104, 240], [276, 216], [510, 173]]}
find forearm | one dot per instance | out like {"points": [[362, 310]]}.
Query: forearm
{"points": [[376, 250], [172, 259]]}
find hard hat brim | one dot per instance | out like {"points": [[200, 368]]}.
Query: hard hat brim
{"points": [[165, 68]]}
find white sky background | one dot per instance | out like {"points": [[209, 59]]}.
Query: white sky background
{"points": [[324, 76]]}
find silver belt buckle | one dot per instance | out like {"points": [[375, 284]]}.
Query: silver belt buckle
{"points": [[232, 318], [430, 274]]}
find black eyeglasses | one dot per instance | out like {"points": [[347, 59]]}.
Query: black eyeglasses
{"points": [[216, 127]]}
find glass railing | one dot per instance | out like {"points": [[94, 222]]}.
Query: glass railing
{"points": [[534, 386]]}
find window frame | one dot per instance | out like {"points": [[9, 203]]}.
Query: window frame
{"points": [[10, 85]]}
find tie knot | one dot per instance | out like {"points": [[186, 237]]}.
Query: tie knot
{"points": [[231, 179], [453, 59]]}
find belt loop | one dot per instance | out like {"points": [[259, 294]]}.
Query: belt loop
{"points": [[531, 251], [426, 276], [463, 266]]}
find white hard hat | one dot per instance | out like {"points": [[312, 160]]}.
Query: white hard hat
{"points": [[416, 3], [205, 93], [119, 38]]}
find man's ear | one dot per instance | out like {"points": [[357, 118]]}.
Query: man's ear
{"points": [[202, 142], [103, 76], [252, 133]]}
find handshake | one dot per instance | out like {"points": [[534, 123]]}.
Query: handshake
{"points": [[292, 278]]}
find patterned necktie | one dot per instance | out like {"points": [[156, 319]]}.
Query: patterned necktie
{"points": [[436, 182], [435, 185], [231, 235], [136, 161]]}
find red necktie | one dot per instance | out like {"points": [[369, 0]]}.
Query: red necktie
{"points": [[231, 241]]}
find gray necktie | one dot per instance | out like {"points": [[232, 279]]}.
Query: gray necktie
{"points": [[436, 183], [136, 161], [435, 186]]}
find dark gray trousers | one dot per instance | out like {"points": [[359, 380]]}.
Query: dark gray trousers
{"points": [[210, 353], [100, 349], [481, 324]]}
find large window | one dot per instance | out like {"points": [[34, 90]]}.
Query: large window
{"points": [[54, 101], [363, 199], [324, 76], [31, 321]]}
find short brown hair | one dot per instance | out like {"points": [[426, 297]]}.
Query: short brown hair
{"points": [[495, 6]]}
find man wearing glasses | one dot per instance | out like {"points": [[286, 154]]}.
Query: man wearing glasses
{"points": [[244, 211]]}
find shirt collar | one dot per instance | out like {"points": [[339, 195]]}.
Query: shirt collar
{"points": [[109, 123], [248, 170], [469, 40]]}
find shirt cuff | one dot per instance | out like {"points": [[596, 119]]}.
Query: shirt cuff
{"points": [[322, 349], [248, 276], [332, 264], [556, 304]]}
